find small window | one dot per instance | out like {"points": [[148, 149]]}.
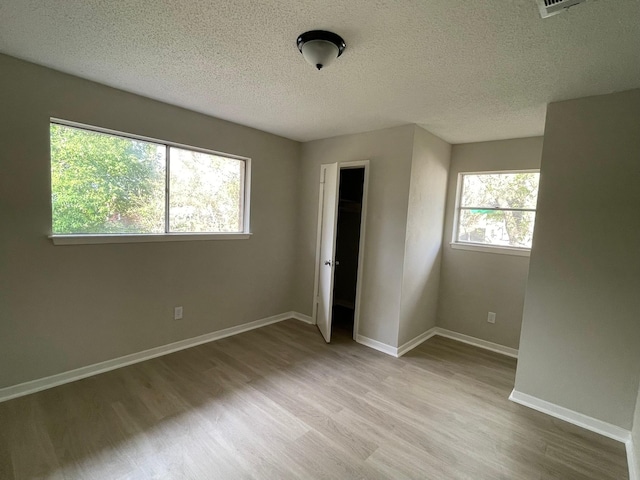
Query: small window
{"points": [[496, 209], [116, 184]]}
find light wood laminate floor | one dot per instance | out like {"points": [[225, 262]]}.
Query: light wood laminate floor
{"points": [[278, 403]]}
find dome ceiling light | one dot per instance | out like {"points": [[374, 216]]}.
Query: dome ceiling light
{"points": [[319, 48]]}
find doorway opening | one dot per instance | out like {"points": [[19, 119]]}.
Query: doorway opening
{"points": [[342, 213], [350, 198]]}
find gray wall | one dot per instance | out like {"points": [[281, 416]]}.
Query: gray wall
{"points": [[635, 436], [63, 307], [475, 283], [581, 329], [423, 243], [389, 152], [401, 270]]}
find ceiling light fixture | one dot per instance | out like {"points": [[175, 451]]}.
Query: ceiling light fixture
{"points": [[319, 48]]}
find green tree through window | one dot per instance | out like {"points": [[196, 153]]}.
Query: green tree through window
{"points": [[110, 184], [498, 208], [105, 184]]}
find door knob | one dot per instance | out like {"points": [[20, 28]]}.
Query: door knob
{"points": [[327, 262]]}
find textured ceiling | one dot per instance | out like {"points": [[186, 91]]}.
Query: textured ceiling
{"points": [[465, 70]]}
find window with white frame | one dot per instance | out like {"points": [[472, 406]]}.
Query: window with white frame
{"points": [[496, 209], [110, 183]]}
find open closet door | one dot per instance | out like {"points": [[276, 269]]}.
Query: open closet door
{"points": [[329, 206]]}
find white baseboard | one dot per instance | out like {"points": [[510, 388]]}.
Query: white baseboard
{"points": [[634, 473], [33, 386], [303, 318], [460, 337], [411, 344], [376, 345], [477, 342], [579, 419]]}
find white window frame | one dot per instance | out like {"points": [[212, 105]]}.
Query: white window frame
{"points": [[100, 238], [480, 247]]}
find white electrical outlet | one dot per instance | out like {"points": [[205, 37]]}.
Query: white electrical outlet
{"points": [[491, 318], [177, 313]]}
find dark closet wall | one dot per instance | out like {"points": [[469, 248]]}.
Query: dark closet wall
{"points": [[348, 236]]}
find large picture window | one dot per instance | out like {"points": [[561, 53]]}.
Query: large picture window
{"points": [[496, 209], [106, 183]]}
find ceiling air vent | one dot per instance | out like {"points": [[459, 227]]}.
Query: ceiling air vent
{"points": [[553, 7]]}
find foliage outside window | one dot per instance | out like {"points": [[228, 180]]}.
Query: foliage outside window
{"points": [[497, 209], [111, 184]]}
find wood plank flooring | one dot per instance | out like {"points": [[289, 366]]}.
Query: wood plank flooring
{"points": [[278, 403]]}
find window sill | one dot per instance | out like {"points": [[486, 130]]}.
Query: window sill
{"points": [[519, 252], [143, 238]]}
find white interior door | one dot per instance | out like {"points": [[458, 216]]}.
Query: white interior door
{"points": [[329, 205]]}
